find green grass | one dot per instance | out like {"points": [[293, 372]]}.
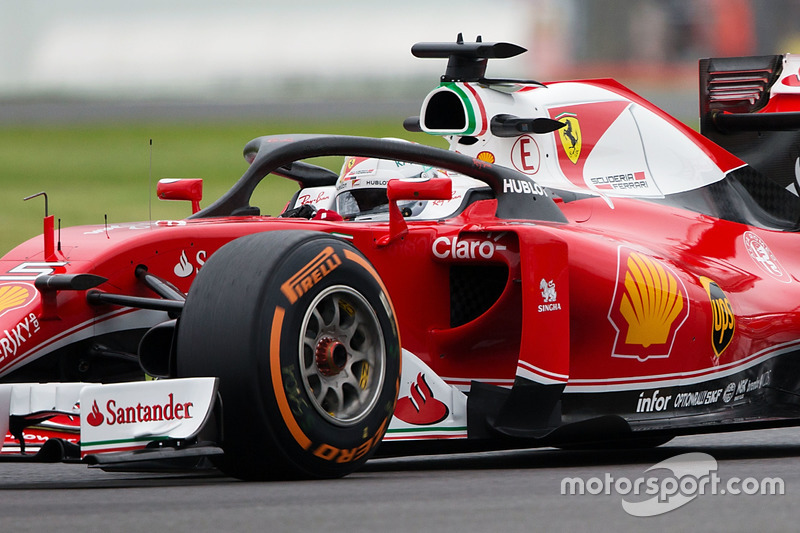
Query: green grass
{"points": [[89, 171]]}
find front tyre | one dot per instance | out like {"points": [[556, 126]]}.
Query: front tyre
{"points": [[301, 332]]}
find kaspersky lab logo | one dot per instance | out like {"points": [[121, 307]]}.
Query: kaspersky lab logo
{"points": [[570, 135]]}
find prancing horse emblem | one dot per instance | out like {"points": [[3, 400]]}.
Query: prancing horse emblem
{"points": [[570, 135]]}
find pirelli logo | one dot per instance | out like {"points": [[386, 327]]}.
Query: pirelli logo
{"points": [[301, 282]]}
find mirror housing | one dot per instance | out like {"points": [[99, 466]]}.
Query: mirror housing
{"points": [[190, 189], [401, 189]]}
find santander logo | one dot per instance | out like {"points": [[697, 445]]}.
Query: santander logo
{"points": [[791, 81], [421, 408], [95, 418], [133, 414]]}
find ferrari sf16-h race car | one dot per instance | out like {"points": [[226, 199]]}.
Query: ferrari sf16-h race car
{"points": [[579, 270]]}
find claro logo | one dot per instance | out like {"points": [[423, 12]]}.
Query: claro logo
{"points": [[444, 247], [132, 414]]}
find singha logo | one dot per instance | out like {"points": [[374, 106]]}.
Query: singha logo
{"points": [[548, 290]]}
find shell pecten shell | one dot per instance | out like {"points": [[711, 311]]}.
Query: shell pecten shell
{"points": [[13, 296], [651, 302]]}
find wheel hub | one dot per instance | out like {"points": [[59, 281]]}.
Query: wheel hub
{"points": [[343, 355], [331, 356]]}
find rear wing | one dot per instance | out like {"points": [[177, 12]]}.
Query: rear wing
{"points": [[751, 107]]}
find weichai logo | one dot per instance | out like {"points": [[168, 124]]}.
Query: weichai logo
{"points": [[650, 305], [723, 322], [304, 279], [132, 414]]}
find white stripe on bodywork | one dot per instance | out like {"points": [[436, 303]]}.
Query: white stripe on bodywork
{"points": [[119, 320], [681, 378], [539, 375]]}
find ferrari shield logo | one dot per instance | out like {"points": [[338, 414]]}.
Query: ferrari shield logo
{"points": [[570, 135]]}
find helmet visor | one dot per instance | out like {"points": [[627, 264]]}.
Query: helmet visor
{"points": [[360, 202]]}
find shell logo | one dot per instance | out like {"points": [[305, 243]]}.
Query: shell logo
{"points": [[649, 307], [650, 302], [486, 156], [13, 296]]}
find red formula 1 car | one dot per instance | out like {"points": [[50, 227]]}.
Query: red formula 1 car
{"points": [[580, 269]]}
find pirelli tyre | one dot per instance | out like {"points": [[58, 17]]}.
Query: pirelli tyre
{"points": [[300, 331]]}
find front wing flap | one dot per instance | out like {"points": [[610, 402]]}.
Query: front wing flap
{"points": [[116, 420]]}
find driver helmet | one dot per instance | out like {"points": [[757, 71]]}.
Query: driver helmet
{"points": [[361, 187]]}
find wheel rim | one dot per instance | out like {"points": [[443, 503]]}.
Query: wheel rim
{"points": [[342, 355]]}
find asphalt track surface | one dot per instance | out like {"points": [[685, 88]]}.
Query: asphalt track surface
{"points": [[495, 491]]}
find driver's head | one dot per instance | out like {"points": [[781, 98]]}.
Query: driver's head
{"points": [[361, 187]]}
